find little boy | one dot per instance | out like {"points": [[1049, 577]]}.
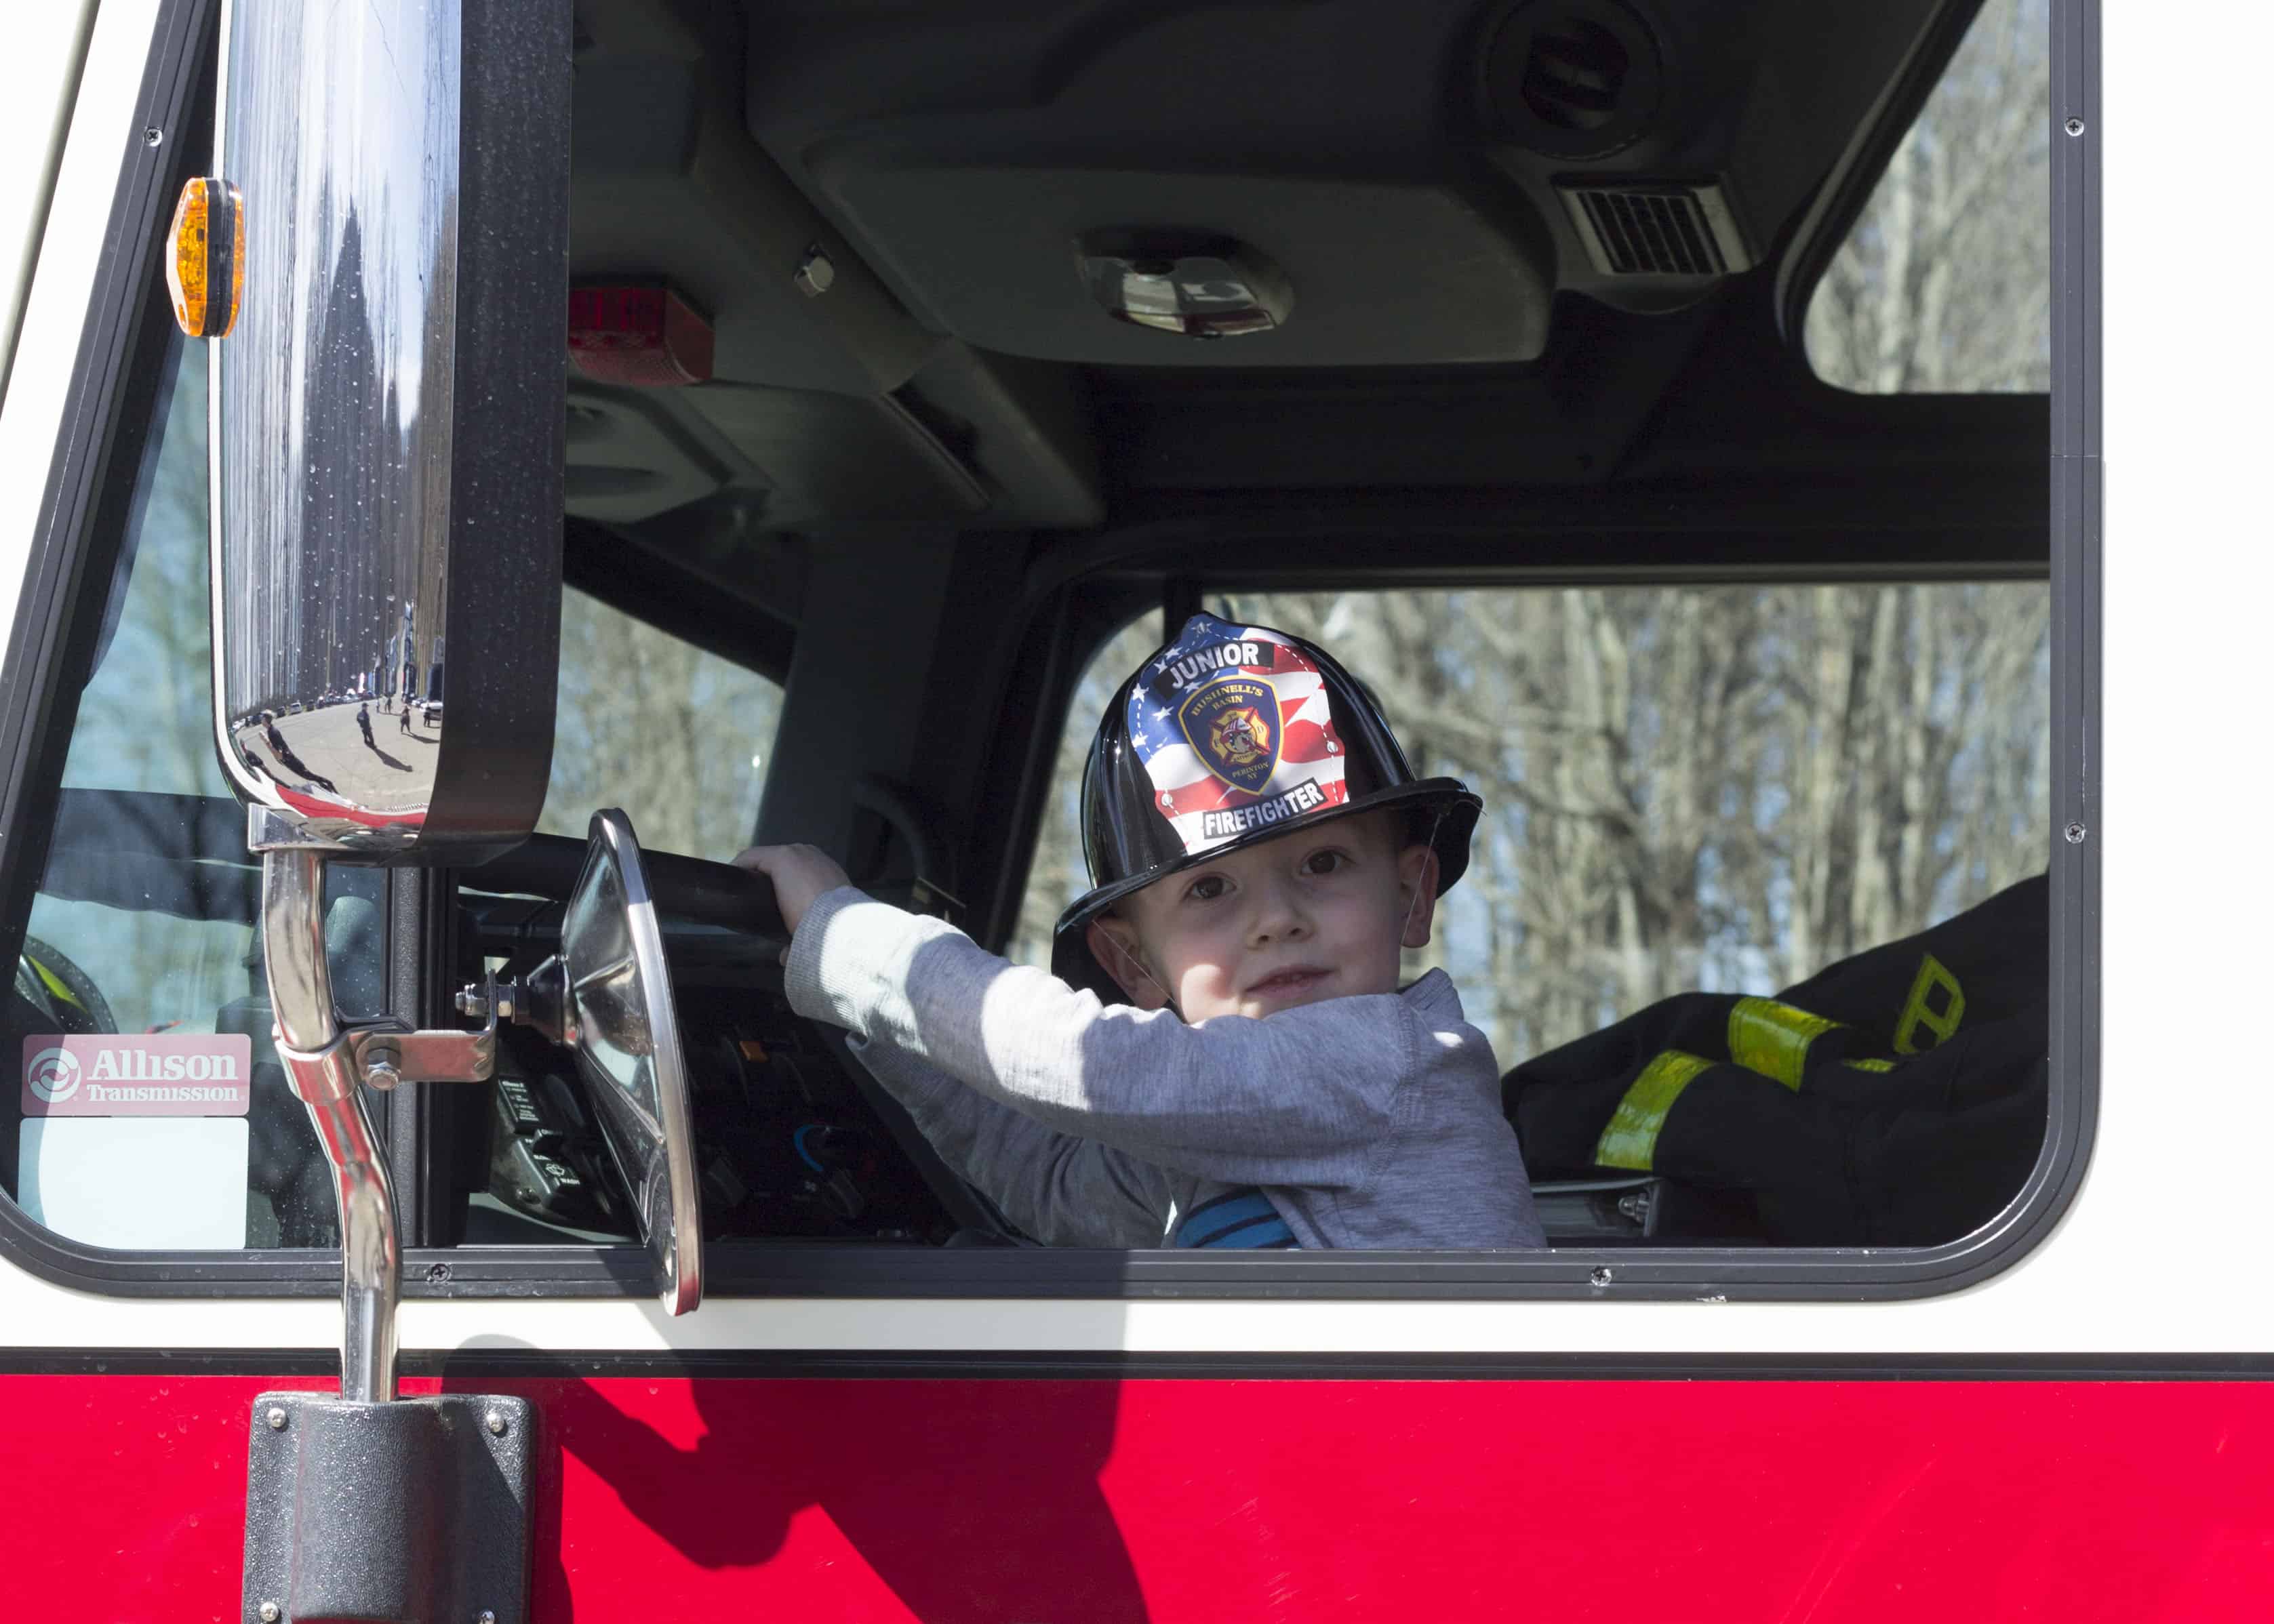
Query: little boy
{"points": [[1260, 851]]}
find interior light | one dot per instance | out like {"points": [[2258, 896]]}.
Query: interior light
{"points": [[1205, 287], [637, 334]]}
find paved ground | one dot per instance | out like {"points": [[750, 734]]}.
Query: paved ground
{"points": [[394, 772]]}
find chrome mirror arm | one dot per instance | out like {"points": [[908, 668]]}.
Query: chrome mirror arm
{"points": [[325, 1059], [319, 1059]]}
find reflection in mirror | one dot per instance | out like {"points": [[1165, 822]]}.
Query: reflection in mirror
{"points": [[332, 415], [377, 548]]}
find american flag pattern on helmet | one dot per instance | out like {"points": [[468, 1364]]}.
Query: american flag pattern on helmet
{"points": [[1234, 729]]}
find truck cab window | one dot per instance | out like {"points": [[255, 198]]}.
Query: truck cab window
{"points": [[151, 1111], [1944, 283], [680, 740], [677, 737], [1739, 791], [143, 926]]}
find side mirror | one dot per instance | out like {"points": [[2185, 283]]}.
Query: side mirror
{"points": [[379, 252], [606, 994], [387, 412]]}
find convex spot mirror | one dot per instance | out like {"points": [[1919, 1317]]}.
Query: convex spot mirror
{"points": [[607, 996], [387, 419]]}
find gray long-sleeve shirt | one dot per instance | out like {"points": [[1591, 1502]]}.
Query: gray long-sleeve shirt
{"points": [[1370, 1120]]}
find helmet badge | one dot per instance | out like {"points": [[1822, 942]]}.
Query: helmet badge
{"points": [[1231, 724], [1236, 732]]}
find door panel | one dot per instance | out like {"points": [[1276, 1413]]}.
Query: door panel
{"points": [[954, 1500]]}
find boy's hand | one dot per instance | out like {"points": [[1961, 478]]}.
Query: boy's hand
{"points": [[799, 873]]}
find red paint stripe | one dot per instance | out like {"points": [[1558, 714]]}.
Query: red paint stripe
{"points": [[316, 807], [1196, 1501]]}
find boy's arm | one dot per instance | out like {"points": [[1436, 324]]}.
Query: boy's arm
{"points": [[1302, 1098], [1061, 1189]]}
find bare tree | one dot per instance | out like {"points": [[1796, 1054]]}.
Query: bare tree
{"points": [[1943, 285], [676, 736]]}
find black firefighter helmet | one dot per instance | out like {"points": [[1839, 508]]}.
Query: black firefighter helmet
{"points": [[1226, 737]]}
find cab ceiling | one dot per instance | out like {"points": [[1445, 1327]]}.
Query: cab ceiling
{"points": [[1440, 190]]}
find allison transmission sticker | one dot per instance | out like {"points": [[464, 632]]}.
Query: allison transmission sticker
{"points": [[131, 1075]]}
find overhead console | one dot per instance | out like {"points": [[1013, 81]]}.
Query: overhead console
{"points": [[1413, 182], [1009, 265]]}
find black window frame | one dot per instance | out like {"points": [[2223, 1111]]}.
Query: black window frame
{"points": [[53, 621]]}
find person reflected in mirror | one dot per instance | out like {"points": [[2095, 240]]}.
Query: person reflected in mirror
{"points": [[1223, 1057], [363, 721], [290, 763]]}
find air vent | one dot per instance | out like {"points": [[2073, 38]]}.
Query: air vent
{"points": [[1571, 79], [1657, 229]]}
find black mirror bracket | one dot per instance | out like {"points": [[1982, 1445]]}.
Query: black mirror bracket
{"points": [[539, 1000], [417, 1509]]}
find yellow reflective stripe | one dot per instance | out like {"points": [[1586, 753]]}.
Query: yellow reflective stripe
{"points": [[1933, 974], [1869, 1065], [1631, 1137], [48, 980], [1772, 1038]]}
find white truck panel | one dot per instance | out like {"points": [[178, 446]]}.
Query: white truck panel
{"points": [[78, 213], [2162, 1250], [47, 46]]}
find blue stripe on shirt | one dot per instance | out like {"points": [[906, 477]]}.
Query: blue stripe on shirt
{"points": [[1239, 1218]]}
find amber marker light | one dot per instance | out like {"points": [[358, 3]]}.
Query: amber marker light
{"points": [[205, 272]]}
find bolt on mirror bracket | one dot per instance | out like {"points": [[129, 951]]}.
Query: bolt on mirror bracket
{"points": [[391, 1053], [539, 1000], [388, 1051]]}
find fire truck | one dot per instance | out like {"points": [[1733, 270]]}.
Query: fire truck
{"points": [[423, 1202]]}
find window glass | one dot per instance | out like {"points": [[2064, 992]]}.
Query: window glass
{"points": [[1738, 790], [1721, 789], [678, 737], [1943, 285], [184, 1133], [144, 925]]}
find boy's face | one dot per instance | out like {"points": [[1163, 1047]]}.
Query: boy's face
{"points": [[1320, 912]]}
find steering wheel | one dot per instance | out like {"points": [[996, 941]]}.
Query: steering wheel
{"points": [[48, 980]]}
